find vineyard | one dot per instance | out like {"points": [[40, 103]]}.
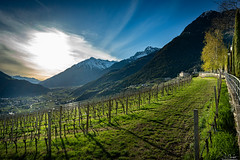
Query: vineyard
{"points": [[28, 130]]}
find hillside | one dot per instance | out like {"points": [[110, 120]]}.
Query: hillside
{"points": [[183, 53], [79, 74], [10, 87]]}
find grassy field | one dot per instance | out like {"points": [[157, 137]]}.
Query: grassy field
{"points": [[160, 130], [224, 141]]}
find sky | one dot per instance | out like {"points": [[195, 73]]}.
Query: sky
{"points": [[41, 38]]}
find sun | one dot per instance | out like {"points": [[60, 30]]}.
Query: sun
{"points": [[50, 50]]}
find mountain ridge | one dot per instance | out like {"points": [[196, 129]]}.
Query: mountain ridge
{"points": [[10, 87], [31, 80]]}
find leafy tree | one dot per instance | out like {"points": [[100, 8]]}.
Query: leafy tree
{"points": [[214, 54], [236, 44]]}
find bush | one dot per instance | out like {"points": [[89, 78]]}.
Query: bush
{"points": [[224, 144]]}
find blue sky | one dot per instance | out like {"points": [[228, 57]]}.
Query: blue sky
{"points": [[107, 29]]}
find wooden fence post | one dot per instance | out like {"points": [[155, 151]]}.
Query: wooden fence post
{"points": [[12, 129], [49, 133], [36, 123], [196, 135], [109, 111], [127, 105], [25, 145], [149, 96], [15, 142], [139, 100], [216, 100], [79, 115], [36, 143], [6, 146], [162, 89], [167, 88], [60, 122], [87, 119], [116, 105]]}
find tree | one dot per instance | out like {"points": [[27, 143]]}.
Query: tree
{"points": [[225, 5], [214, 54], [236, 44]]}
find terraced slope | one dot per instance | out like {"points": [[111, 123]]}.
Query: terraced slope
{"points": [[160, 130]]}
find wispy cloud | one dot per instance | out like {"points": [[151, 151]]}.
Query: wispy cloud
{"points": [[42, 5], [41, 52], [119, 24]]}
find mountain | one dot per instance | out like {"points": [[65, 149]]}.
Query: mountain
{"points": [[10, 87], [79, 74], [122, 63], [117, 72], [31, 80], [183, 53]]}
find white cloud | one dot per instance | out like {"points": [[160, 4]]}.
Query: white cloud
{"points": [[47, 51]]}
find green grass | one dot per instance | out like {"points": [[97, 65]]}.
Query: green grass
{"points": [[160, 130]]}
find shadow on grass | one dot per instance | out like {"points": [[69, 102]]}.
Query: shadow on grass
{"points": [[64, 148], [143, 139], [23, 156], [35, 155], [91, 137]]}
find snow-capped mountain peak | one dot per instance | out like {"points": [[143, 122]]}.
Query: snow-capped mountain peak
{"points": [[147, 51], [95, 63]]}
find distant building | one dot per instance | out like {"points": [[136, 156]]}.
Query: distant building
{"points": [[183, 74]]}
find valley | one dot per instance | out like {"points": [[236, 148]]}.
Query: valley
{"points": [[22, 105]]}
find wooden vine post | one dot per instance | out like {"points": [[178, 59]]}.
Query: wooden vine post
{"points": [[162, 89], [49, 134], [216, 100], [109, 111], [139, 100], [196, 135], [60, 122], [127, 105], [36, 123], [116, 105], [87, 123], [149, 96]]}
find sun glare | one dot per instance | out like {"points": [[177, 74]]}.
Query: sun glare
{"points": [[50, 51]]}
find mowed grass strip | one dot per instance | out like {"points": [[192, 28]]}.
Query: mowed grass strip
{"points": [[160, 130]]}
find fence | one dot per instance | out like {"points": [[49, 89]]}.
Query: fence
{"points": [[46, 125], [213, 129], [233, 84]]}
